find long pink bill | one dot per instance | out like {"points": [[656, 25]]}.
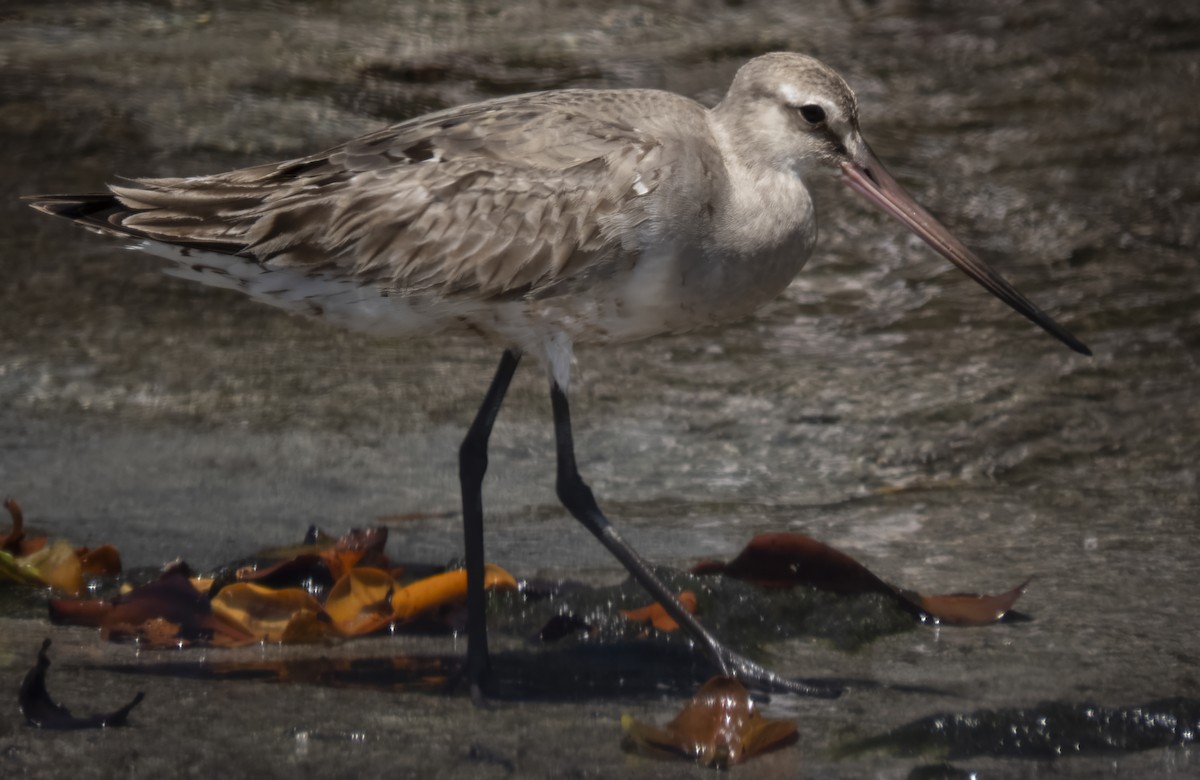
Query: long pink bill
{"points": [[867, 176]]}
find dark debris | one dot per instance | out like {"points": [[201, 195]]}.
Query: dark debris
{"points": [[43, 712]]}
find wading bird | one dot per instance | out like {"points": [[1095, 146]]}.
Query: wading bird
{"points": [[540, 221]]}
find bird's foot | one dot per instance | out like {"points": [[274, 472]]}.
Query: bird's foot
{"points": [[476, 679]]}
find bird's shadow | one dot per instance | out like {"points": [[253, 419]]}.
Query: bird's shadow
{"points": [[624, 671]]}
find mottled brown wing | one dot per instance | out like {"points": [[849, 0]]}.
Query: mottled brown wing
{"points": [[497, 198]]}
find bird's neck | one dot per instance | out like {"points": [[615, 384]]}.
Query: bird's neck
{"points": [[764, 208]]}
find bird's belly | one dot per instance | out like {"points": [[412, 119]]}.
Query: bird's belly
{"points": [[661, 291], [338, 300], [671, 292]]}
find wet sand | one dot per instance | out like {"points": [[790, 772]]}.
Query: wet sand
{"points": [[883, 404]]}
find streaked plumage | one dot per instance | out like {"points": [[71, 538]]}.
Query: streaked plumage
{"points": [[539, 221]]}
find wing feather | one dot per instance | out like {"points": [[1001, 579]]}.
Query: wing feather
{"points": [[492, 199]]}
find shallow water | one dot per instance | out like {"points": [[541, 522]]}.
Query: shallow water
{"points": [[884, 404]]}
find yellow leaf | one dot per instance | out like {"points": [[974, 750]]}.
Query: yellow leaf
{"points": [[261, 611], [307, 627], [57, 566], [360, 602]]}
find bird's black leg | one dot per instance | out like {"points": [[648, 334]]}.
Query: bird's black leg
{"points": [[472, 465], [577, 497]]}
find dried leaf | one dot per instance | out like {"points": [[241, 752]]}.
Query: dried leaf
{"points": [[160, 632], [176, 609], [719, 727], [43, 712], [446, 589], [171, 596], [307, 627], [17, 542], [225, 633], [306, 570], [32, 544], [784, 560], [369, 542], [359, 545], [173, 599], [11, 542], [361, 601], [99, 562], [260, 611], [57, 566], [969, 609], [340, 562], [788, 559], [80, 612], [657, 616], [372, 540], [31, 560]]}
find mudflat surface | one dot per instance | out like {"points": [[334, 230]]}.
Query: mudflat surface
{"points": [[884, 404]]}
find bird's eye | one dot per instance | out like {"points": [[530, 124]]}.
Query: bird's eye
{"points": [[812, 113]]}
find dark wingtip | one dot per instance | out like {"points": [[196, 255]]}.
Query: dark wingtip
{"points": [[103, 213], [71, 206]]}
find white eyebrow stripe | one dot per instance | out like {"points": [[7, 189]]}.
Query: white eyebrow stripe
{"points": [[793, 96]]}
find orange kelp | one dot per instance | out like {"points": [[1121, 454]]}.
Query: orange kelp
{"points": [[286, 601], [657, 617]]}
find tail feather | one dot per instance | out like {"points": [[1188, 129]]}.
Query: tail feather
{"points": [[104, 213], [309, 291]]}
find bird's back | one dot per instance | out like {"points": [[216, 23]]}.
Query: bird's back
{"points": [[589, 207]]}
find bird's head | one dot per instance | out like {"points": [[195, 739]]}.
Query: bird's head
{"points": [[793, 112]]}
